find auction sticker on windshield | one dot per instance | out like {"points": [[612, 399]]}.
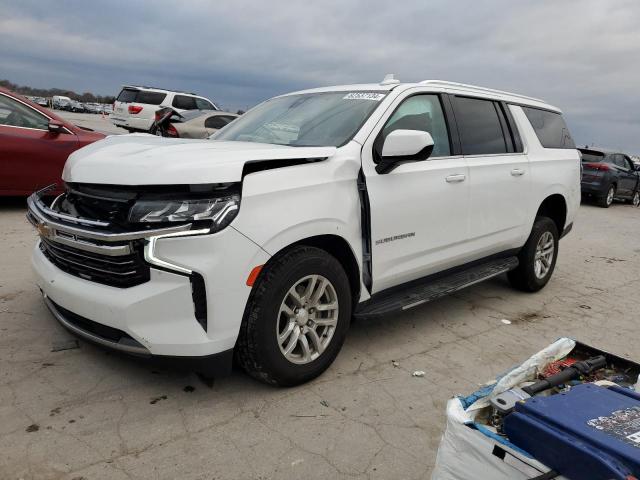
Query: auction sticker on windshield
{"points": [[376, 97]]}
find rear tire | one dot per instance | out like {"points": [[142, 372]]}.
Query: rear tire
{"points": [[635, 200], [271, 313], [606, 200], [537, 257]]}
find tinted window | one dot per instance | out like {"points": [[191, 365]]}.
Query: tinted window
{"points": [[16, 114], [217, 121], [184, 102], [591, 156], [152, 98], [202, 104], [127, 95], [550, 128], [479, 126], [424, 113]]}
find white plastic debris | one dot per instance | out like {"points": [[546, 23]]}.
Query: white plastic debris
{"points": [[395, 364], [505, 321], [418, 373]]}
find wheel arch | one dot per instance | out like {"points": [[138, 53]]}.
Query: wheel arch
{"points": [[338, 247], [554, 207]]}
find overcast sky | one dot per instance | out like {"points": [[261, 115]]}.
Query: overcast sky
{"points": [[580, 55]]}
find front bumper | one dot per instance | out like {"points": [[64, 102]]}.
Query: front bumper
{"points": [[215, 365], [160, 316]]}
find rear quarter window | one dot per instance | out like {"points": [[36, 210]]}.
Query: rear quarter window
{"points": [[151, 98], [550, 128], [184, 102]]}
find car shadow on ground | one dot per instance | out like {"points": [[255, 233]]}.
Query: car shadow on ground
{"points": [[13, 203]]}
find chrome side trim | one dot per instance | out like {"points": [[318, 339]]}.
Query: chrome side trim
{"points": [[90, 336]]}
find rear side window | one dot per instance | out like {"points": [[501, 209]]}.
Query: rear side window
{"points": [[480, 123], [130, 95], [184, 102], [550, 128], [217, 121], [151, 98]]}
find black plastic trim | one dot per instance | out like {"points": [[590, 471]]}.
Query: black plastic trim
{"points": [[388, 292], [513, 128], [365, 226], [199, 296], [452, 124], [566, 230], [262, 165]]}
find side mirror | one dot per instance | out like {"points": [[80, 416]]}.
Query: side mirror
{"points": [[404, 146], [56, 127], [636, 167]]}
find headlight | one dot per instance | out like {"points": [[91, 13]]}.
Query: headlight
{"points": [[219, 211]]}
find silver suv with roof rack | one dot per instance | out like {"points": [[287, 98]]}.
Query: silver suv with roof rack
{"points": [[135, 106]]}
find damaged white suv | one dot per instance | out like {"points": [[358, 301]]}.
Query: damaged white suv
{"points": [[313, 207]]}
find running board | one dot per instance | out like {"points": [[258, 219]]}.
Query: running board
{"points": [[432, 289]]}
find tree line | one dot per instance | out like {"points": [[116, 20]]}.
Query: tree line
{"points": [[86, 97]]}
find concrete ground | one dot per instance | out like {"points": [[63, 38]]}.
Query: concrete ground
{"points": [[87, 414], [92, 120]]}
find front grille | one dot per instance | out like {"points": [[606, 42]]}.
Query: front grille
{"points": [[120, 271]]}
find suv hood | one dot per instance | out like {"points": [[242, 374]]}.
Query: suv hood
{"points": [[142, 159]]}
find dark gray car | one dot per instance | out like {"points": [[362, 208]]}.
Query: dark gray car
{"points": [[609, 175]]}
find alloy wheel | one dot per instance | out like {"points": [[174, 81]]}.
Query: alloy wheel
{"points": [[307, 319], [544, 255]]}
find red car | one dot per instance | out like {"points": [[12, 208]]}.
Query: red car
{"points": [[34, 144]]}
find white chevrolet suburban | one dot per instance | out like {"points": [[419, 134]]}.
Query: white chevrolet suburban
{"points": [[135, 107], [264, 241]]}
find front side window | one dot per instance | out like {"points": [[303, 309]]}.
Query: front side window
{"points": [[321, 119], [479, 125], [16, 114], [423, 113], [550, 128]]}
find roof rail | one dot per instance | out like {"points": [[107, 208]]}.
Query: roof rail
{"points": [[158, 88], [465, 86]]}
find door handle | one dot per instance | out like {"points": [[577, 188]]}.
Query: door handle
{"points": [[517, 172], [456, 178]]}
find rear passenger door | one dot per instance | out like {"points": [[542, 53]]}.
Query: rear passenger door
{"points": [[499, 174], [626, 176]]}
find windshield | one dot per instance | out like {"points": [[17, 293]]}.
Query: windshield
{"points": [[312, 120]]}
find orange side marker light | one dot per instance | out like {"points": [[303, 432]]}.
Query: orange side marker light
{"points": [[253, 276]]}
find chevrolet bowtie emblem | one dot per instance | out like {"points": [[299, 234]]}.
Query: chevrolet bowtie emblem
{"points": [[44, 230]]}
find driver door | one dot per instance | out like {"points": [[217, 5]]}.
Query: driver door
{"points": [[419, 210]]}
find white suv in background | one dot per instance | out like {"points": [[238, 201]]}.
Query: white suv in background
{"points": [[313, 207], [135, 107]]}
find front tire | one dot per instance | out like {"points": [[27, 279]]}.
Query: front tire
{"points": [[296, 319], [537, 257]]}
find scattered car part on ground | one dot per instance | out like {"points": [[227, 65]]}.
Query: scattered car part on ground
{"points": [[608, 176], [368, 199], [189, 124], [570, 411], [135, 106]]}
